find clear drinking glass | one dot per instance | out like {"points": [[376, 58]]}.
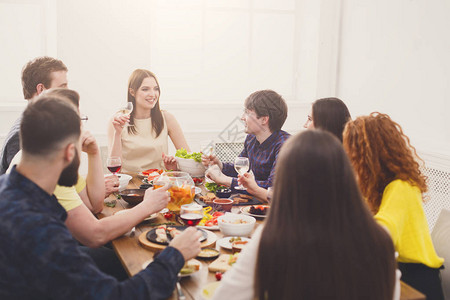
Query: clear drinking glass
{"points": [[241, 165], [182, 188], [127, 109], [191, 214]]}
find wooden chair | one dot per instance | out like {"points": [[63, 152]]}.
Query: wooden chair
{"points": [[441, 241]]}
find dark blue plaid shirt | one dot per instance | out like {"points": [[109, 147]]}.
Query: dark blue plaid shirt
{"points": [[39, 259], [262, 158]]}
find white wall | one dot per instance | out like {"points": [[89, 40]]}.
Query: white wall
{"points": [[389, 56], [208, 55], [394, 58]]}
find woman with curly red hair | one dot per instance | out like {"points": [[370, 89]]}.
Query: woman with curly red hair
{"points": [[390, 180]]}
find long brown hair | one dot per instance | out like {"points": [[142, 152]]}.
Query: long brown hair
{"points": [[380, 153], [320, 240], [330, 114], [135, 83]]}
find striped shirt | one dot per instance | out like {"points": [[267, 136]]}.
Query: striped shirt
{"points": [[262, 158]]}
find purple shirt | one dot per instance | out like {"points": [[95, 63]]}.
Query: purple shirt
{"points": [[262, 158]]}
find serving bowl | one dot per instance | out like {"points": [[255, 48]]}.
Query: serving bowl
{"points": [[223, 193], [132, 196], [224, 204], [236, 224], [195, 169]]}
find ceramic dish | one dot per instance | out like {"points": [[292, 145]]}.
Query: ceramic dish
{"points": [[246, 211], [225, 242], [151, 235], [215, 227], [208, 253]]}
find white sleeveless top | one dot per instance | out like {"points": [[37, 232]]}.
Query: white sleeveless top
{"points": [[143, 150]]}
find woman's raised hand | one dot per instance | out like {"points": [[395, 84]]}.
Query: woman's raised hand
{"points": [[119, 121]]}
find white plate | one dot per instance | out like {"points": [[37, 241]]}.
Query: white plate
{"points": [[145, 264], [215, 227], [225, 242], [151, 217], [198, 190], [246, 211]]}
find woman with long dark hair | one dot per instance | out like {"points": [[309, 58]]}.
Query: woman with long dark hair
{"points": [[391, 181], [144, 142], [319, 240], [329, 114]]}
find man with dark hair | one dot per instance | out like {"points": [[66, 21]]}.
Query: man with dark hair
{"points": [[37, 75], [264, 116], [39, 258]]}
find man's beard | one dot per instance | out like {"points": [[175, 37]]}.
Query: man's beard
{"points": [[69, 176]]}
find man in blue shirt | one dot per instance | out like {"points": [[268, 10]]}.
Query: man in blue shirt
{"points": [[39, 258], [264, 115]]}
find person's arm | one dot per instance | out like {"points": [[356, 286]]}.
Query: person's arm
{"points": [[112, 184], [115, 128], [94, 192], [249, 182], [57, 269], [238, 283], [91, 232], [175, 132], [214, 173]]}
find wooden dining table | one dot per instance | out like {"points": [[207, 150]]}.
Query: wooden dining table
{"points": [[134, 256]]}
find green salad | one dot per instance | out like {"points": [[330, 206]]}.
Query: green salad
{"points": [[214, 187], [182, 153]]}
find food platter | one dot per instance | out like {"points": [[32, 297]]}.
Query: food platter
{"points": [[187, 272], [246, 211], [151, 235], [225, 242]]}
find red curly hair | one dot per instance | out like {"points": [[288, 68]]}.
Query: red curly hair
{"points": [[380, 152]]}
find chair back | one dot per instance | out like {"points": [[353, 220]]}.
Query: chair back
{"points": [[441, 241], [227, 152]]}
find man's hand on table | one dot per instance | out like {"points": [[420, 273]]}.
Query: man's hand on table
{"points": [[188, 243], [111, 185]]}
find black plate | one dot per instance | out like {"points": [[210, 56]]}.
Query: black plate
{"points": [[252, 201], [151, 235]]}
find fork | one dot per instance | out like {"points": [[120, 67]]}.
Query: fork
{"points": [[179, 291]]}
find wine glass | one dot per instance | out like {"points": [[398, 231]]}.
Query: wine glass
{"points": [[114, 164], [191, 214], [127, 109], [241, 165]]}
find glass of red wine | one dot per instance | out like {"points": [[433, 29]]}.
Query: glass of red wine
{"points": [[191, 214], [114, 164]]}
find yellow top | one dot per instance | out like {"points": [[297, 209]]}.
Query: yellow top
{"points": [[143, 151], [68, 196], [401, 212]]}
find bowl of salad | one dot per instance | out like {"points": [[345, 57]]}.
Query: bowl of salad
{"points": [[190, 163]]}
